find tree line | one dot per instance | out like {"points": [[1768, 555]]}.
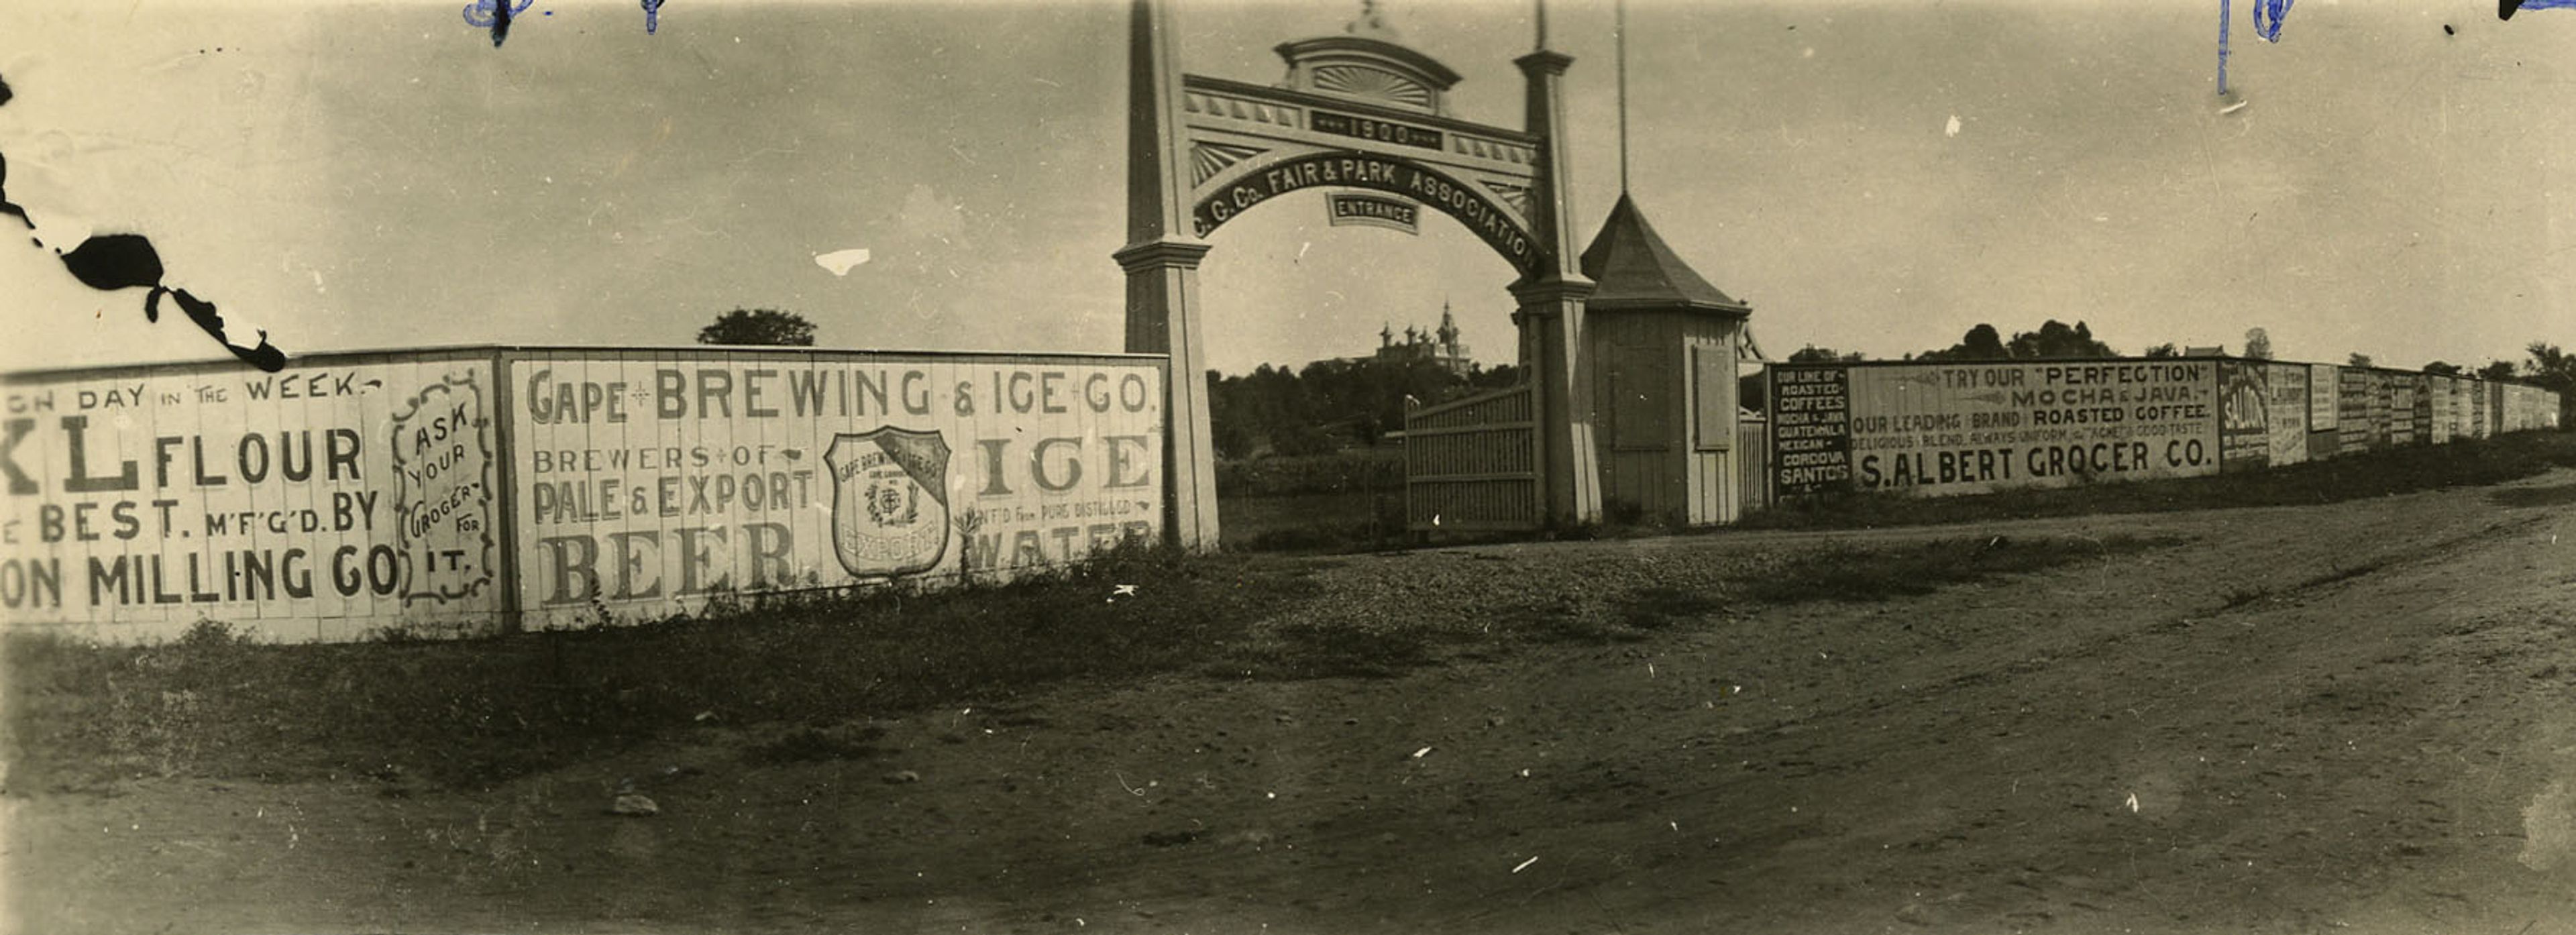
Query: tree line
{"points": [[1328, 404]]}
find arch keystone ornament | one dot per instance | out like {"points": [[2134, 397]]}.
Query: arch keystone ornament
{"points": [[1355, 112]]}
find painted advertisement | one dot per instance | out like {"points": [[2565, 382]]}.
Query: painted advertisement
{"points": [[2528, 408], [1941, 430], [333, 498], [2288, 413], [2437, 407], [2245, 415], [2384, 423], [2353, 407], [653, 481], [1810, 429], [2323, 380], [2417, 391], [2263, 414], [2463, 413], [2482, 409]]}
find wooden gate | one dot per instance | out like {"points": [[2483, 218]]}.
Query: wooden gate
{"points": [[1753, 466], [1472, 464]]}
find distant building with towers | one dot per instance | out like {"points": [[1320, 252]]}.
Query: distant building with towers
{"points": [[1439, 346]]}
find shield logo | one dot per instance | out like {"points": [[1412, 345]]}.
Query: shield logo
{"points": [[889, 501]]}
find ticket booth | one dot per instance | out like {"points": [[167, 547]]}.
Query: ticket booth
{"points": [[1663, 346]]}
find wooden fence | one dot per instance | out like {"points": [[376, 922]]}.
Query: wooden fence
{"points": [[1472, 464], [1752, 465]]}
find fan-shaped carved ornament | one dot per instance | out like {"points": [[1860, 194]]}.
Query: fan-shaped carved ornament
{"points": [[1363, 81]]}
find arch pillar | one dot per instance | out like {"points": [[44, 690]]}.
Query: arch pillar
{"points": [[1552, 352], [1163, 318], [1551, 300], [1161, 259]]}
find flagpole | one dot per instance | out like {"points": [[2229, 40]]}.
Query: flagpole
{"points": [[1620, 32]]}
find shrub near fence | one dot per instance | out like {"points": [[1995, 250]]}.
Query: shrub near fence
{"points": [[1345, 500], [1353, 471]]}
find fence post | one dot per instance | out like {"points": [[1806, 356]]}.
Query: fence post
{"points": [[505, 498]]}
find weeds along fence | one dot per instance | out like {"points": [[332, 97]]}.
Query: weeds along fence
{"points": [[479, 489], [1945, 429]]}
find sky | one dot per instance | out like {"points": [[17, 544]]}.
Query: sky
{"points": [[1872, 177]]}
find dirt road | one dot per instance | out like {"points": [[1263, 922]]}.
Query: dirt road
{"points": [[2358, 717]]}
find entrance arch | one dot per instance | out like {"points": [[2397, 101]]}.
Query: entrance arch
{"points": [[1356, 111], [1490, 219]]}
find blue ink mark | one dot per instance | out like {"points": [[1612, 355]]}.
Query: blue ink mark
{"points": [[2224, 17], [2506, 8], [2270, 28], [652, 15], [495, 15], [2267, 23]]}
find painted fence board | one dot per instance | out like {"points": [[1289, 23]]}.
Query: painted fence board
{"points": [[653, 482], [1944, 429], [338, 496]]}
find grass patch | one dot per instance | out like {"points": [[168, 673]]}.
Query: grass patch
{"points": [[1599, 620], [812, 744], [475, 711], [2474, 462], [1849, 573], [2239, 597], [2558, 495], [1370, 470], [1310, 651], [1657, 608], [1570, 620], [1314, 522]]}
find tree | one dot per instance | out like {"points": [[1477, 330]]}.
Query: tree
{"points": [[2496, 370], [2166, 349], [2053, 341], [759, 326], [2553, 369], [1812, 354], [2258, 344], [2550, 368], [2439, 368], [2358, 359], [1321, 406], [1498, 376], [1983, 343]]}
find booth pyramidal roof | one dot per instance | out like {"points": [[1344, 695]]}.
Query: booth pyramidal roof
{"points": [[1633, 269]]}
